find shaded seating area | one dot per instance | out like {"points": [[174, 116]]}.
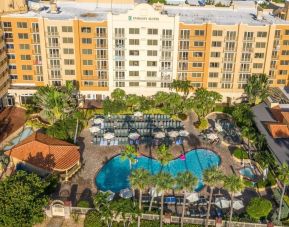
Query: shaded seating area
{"points": [[150, 129]]}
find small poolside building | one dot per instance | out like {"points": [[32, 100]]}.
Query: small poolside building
{"points": [[43, 155]]}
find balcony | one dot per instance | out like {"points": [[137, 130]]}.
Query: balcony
{"points": [[100, 35], [119, 36], [119, 46], [170, 59], [167, 37], [53, 44], [53, 56], [185, 37], [52, 34], [226, 80], [167, 69], [167, 48]]}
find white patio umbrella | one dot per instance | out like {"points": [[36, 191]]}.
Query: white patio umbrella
{"points": [[138, 114], [108, 136], [94, 129], [97, 121], [160, 135], [173, 134], [218, 127], [212, 136], [183, 133], [238, 204], [126, 193], [192, 197], [153, 192], [222, 203], [134, 136]]}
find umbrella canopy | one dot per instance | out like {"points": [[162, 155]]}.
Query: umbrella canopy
{"points": [[212, 136], [126, 193], [97, 121], [138, 114], [173, 134], [134, 136], [153, 192], [183, 133], [160, 135], [108, 136], [218, 127], [238, 204], [94, 129], [192, 197], [222, 203]]}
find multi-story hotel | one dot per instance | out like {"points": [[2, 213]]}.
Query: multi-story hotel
{"points": [[142, 48]]}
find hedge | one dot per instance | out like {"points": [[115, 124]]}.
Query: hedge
{"points": [[240, 153]]}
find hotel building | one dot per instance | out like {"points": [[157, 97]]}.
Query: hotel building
{"points": [[142, 48]]}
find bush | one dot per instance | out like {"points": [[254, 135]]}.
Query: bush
{"points": [[258, 208], [83, 203], [286, 199], [202, 124], [240, 153], [248, 183], [270, 181]]}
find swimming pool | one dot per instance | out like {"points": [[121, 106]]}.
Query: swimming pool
{"points": [[21, 136], [114, 174], [247, 172]]}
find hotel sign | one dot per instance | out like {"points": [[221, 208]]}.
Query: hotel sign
{"points": [[133, 18]]}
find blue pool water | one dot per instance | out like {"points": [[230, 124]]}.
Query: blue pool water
{"points": [[21, 136], [247, 172], [114, 174]]}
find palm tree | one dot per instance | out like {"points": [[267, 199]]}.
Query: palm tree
{"points": [[164, 182], [186, 182], [152, 184], [164, 155], [284, 178], [233, 184], [182, 86], [102, 206], [129, 153], [212, 177], [139, 179]]}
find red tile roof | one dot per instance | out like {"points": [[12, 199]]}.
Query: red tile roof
{"points": [[278, 130], [277, 114], [285, 116], [46, 152]]}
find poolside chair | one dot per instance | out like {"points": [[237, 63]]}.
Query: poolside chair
{"points": [[170, 200]]}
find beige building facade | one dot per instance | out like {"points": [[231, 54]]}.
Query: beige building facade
{"points": [[142, 49]]}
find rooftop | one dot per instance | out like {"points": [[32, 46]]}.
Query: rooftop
{"points": [[188, 14], [46, 152]]}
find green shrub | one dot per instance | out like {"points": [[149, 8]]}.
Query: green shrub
{"points": [[202, 124], [258, 208], [248, 183], [270, 181], [286, 199], [83, 203], [240, 153]]}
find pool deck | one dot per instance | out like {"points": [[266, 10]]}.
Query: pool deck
{"points": [[95, 156]]}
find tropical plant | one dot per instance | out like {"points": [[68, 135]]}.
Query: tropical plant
{"points": [[152, 183], [259, 208], [160, 98], [240, 153], [186, 182], [212, 177], [243, 115], [22, 198], [164, 155], [283, 176], [164, 182], [257, 88], [129, 153], [133, 101], [202, 124], [139, 180], [103, 209], [183, 86], [205, 101], [118, 95], [233, 184]]}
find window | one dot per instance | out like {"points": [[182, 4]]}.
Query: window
{"points": [[101, 54], [166, 44], [245, 67], [199, 43], [184, 45], [284, 62], [286, 32], [119, 64], [88, 83], [87, 72], [226, 85], [197, 64], [11, 56], [166, 55], [87, 62], [24, 46], [281, 81], [185, 34], [277, 34], [248, 35], [25, 57], [120, 84], [257, 65], [196, 85], [212, 84], [152, 31], [230, 46], [21, 25], [197, 74], [152, 53], [217, 32], [100, 32], [68, 61], [102, 75], [8, 36], [23, 35], [133, 84], [134, 31], [199, 32], [259, 55], [198, 54], [133, 73], [13, 77], [262, 34], [213, 74], [151, 63], [52, 30], [134, 42], [231, 35], [229, 57], [26, 67], [67, 40], [286, 42], [183, 65], [215, 54], [68, 51], [27, 77], [101, 43], [183, 55], [133, 53], [260, 44], [66, 28], [119, 75], [167, 33], [247, 46], [12, 66], [151, 73], [69, 72], [152, 42], [133, 63], [228, 66], [214, 64], [246, 57], [151, 84], [85, 29], [7, 25], [86, 40]]}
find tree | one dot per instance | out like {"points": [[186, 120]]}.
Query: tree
{"points": [[164, 182], [22, 199], [182, 86], [186, 182], [258, 208], [257, 88], [118, 95], [130, 154], [212, 177], [139, 180], [103, 209], [283, 176], [133, 101], [173, 104], [205, 101], [233, 184], [164, 155], [243, 115], [160, 98]]}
